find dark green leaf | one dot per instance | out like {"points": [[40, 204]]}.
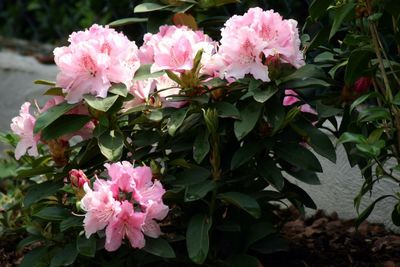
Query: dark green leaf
{"points": [[64, 125], [244, 154], [341, 13], [31, 239], [111, 145], [176, 120], [258, 231], [305, 176], [364, 215], [361, 100], [261, 94], [50, 115], [298, 156], [227, 110], [357, 64], [86, 246], [396, 99], [275, 113], [201, 146], [374, 114], [70, 222], [294, 192], [65, 256], [126, 21], [396, 215], [352, 138], [270, 172], [192, 176], [40, 191], [197, 240], [249, 117], [325, 111], [159, 247], [243, 260], [55, 91], [37, 257], [199, 190], [245, 202], [318, 8], [52, 213], [101, 104]]}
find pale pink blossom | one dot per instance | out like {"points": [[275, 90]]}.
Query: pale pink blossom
{"points": [[122, 175], [291, 97], [257, 35], [174, 48], [127, 223], [23, 126], [94, 59], [100, 207]]}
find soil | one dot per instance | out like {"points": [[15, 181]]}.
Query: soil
{"points": [[325, 240]]}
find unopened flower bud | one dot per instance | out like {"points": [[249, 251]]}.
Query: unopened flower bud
{"points": [[362, 84], [77, 178]]}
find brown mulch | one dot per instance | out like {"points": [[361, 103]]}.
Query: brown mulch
{"points": [[325, 240]]}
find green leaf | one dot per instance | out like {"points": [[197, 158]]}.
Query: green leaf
{"points": [[65, 256], [341, 13], [50, 115], [37, 257], [318, 8], [357, 64], [45, 82], [55, 91], [119, 89], [319, 141], [148, 7], [227, 110], [306, 76], [261, 95], [352, 138], [364, 215], [362, 99], [52, 213], [143, 73], [201, 146], [199, 190], [243, 260], [111, 145], [176, 120], [249, 117], [374, 114], [101, 104], [258, 231], [396, 99], [64, 125], [197, 240], [270, 172], [325, 111], [39, 191], [192, 176], [126, 21], [70, 222], [305, 176], [86, 246], [245, 202], [275, 113], [298, 156], [31, 239], [24, 173], [159, 247], [297, 195], [396, 215], [244, 154]]}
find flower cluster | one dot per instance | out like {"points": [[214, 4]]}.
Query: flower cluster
{"points": [[94, 59], [128, 205], [250, 41]]}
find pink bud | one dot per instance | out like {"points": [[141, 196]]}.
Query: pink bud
{"points": [[78, 178], [362, 84]]}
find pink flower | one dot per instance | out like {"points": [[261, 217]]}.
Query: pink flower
{"points": [[174, 48], [94, 59], [122, 175], [127, 223], [100, 207], [291, 98], [258, 34], [154, 211], [23, 126]]}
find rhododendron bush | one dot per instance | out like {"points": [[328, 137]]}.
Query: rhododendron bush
{"points": [[172, 153]]}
